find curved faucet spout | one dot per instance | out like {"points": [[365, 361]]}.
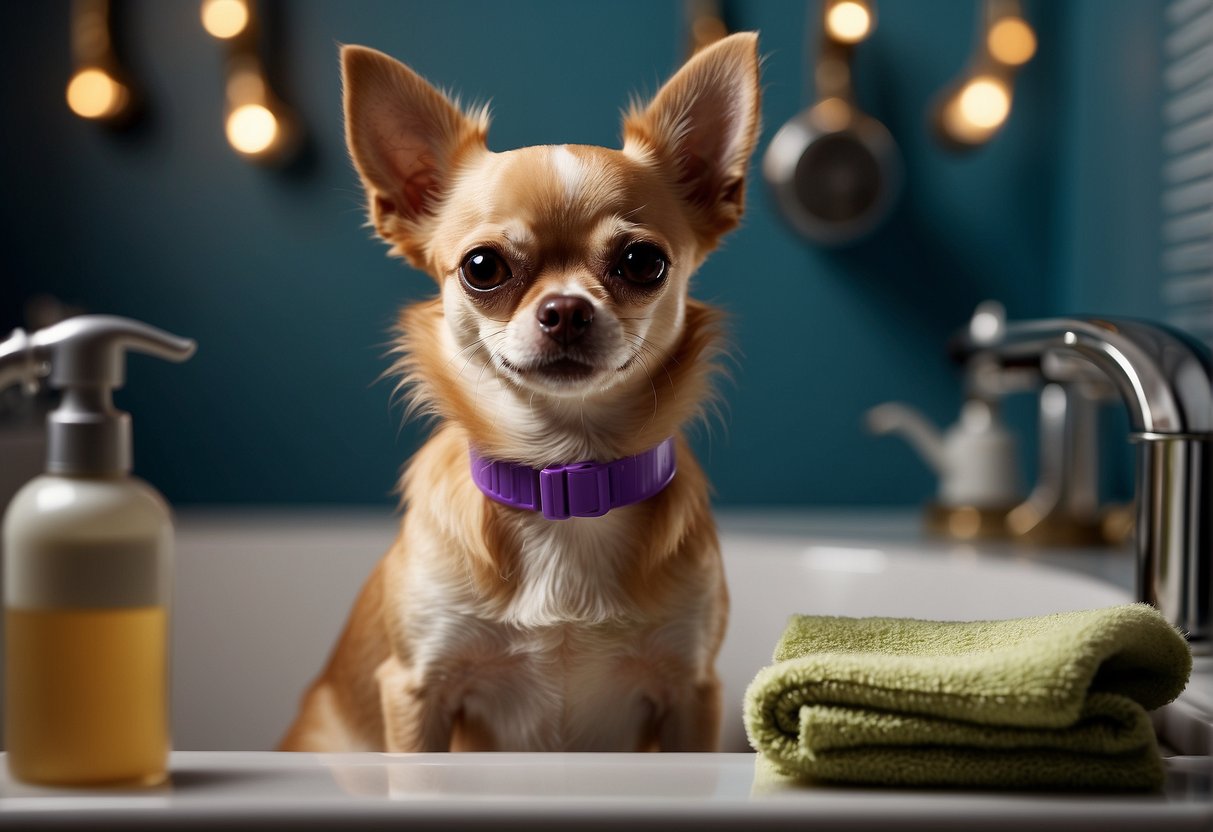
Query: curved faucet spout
{"points": [[1166, 381], [1165, 378]]}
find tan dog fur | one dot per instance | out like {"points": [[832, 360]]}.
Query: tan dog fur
{"points": [[489, 627]]}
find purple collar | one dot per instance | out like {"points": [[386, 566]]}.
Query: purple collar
{"points": [[580, 489]]}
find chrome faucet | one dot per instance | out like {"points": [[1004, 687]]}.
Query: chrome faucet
{"points": [[1166, 382]]}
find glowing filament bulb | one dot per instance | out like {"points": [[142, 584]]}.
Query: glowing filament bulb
{"points": [[252, 129], [1011, 41], [94, 93], [849, 22], [984, 103], [225, 18]]}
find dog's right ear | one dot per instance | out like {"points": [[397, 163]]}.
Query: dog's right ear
{"points": [[405, 138]]}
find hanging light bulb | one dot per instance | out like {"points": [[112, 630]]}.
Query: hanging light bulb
{"points": [[225, 19], [252, 129], [984, 102], [1011, 41], [849, 21], [94, 93], [258, 125], [97, 90], [976, 111], [973, 111]]}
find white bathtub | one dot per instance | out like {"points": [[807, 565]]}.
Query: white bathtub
{"points": [[261, 596]]}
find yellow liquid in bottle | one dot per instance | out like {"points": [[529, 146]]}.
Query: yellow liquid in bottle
{"points": [[86, 695]]}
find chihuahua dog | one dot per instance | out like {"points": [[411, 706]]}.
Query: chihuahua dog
{"points": [[557, 581]]}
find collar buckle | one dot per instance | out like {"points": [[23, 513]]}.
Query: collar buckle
{"points": [[582, 489]]}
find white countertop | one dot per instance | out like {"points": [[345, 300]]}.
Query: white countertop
{"points": [[585, 791]]}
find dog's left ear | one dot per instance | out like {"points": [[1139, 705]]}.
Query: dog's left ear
{"points": [[702, 126]]}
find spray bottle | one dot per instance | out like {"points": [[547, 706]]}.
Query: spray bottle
{"points": [[87, 571]]}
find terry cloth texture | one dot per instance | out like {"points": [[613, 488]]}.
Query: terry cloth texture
{"points": [[1052, 702]]}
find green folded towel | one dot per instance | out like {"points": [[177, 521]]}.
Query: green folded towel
{"points": [[1057, 701]]}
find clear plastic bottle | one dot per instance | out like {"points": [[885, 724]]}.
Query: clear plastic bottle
{"points": [[87, 574], [87, 585]]}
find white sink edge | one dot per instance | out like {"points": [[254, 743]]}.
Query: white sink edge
{"points": [[700, 791]]}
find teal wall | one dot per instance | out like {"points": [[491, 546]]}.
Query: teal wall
{"points": [[290, 300], [1109, 211], [1110, 135]]}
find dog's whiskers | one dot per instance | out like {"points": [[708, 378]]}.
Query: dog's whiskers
{"points": [[640, 350], [645, 343], [494, 354], [472, 347]]}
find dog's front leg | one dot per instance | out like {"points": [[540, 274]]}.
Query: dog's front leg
{"points": [[416, 717], [691, 720]]}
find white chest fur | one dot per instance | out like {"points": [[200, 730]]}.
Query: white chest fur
{"points": [[569, 570], [570, 664]]}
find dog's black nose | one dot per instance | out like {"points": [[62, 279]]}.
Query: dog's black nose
{"points": [[565, 318]]}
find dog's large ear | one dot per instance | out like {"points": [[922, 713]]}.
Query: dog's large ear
{"points": [[405, 138], [702, 125]]}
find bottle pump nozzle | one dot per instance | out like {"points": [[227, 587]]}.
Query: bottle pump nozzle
{"points": [[85, 357]]}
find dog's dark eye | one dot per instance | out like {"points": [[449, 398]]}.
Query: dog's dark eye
{"points": [[484, 269], [641, 263]]}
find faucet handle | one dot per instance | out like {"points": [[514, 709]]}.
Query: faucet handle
{"points": [[985, 376], [989, 322]]}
